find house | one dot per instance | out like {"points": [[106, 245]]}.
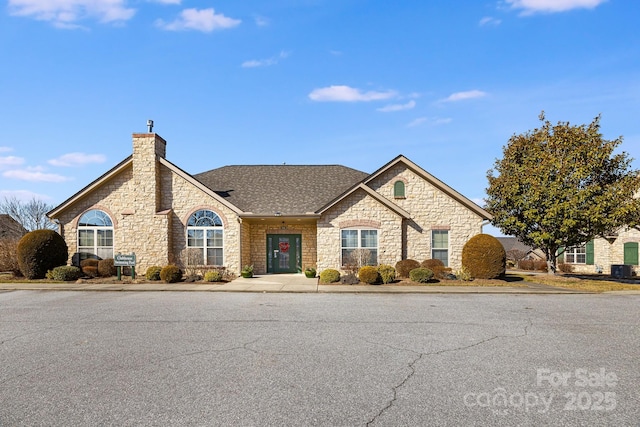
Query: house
{"points": [[10, 229], [516, 250], [279, 218], [598, 255]]}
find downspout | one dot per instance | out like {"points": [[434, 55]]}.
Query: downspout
{"points": [[240, 244]]}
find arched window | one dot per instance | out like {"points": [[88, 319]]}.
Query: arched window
{"points": [[398, 190], [95, 235], [205, 241]]}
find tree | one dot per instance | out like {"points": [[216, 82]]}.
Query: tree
{"points": [[32, 215], [560, 186]]}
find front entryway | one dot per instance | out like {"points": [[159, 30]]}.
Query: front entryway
{"points": [[284, 253]]}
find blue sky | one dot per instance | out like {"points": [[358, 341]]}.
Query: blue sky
{"points": [[352, 82]]}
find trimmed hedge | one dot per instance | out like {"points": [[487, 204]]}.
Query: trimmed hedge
{"points": [[436, 266], [65, 273], [153, 272], [369, 274], [420, 275], [106, 268], [40, 251], [405, 266], [484, 256], [387, 273], [330, 276], [171, 274], [213, 276]]}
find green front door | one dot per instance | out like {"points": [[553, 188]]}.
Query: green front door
{"points": [[284, 253]]}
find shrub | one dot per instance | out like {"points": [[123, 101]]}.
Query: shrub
{"points": [[484, 256], [435, 265], [368, 274], [106, 268], [40, 251], [387, 273], [420, 275], [90, 271], [464, 275], [213, 276], [89, 262], [405, 266], [153, 272], [525, 264], [8, 256], [565, 268], [171, 274], [310, 272], [540, 265], [247, 271], [349, 279], [330, 276], [65, 273]]}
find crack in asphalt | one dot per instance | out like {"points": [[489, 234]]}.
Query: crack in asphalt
{"points": [[420, 355], [244, 346]]}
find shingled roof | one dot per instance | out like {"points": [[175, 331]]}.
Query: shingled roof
{"points": [[10, 228], [287, 189]]}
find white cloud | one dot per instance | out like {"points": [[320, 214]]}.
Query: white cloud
{"points": [[461, 96], [341, 93], [205, 20], [11, 161], [489, 20], [77, 159], [431, 121], [5, 149], [23, 195], [65, 13], [265, 62], [552, 6], [398, 107], [166, 1], [34, 176]]}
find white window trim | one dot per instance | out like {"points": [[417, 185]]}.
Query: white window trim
{"points": [[94, 229], [204, 230], [448, 248], [359, 230], [573, 252]]}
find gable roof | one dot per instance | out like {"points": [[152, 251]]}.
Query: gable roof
{"points": [[383, 200], [286, 189], [512, 243], [433, 181], [10, 228]]}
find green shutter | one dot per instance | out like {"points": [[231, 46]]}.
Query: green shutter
{"points": [[560, 258], [631, 253], [589, 252], [398, 189]]}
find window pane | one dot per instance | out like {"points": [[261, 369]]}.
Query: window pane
{"points": [[373, 258], [349, 238], [214, 256], [195, 238], [346, 256], [440, 239], [85, 238], [105, 253], [369, 238], [214, 238], [105, 237], [442, 255], [95, 218]]}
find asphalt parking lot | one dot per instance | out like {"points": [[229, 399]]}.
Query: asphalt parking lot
{"points": [[181, 358]]}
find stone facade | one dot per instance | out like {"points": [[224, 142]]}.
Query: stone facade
{"points": [[610, 251], [149, 201]]}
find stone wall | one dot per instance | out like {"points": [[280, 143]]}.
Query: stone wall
{"points": [[258, 243], [609, 251]]}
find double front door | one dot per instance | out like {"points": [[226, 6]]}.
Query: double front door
{"points": [[284, 253]]}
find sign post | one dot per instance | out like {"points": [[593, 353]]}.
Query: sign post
{"points": [[125, 260]]}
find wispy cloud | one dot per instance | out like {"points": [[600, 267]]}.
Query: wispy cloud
{"points": [[340, 93], [431, 121], [23, 195], [205, 20], [261, 21], [5, 149], [166, 1], [530, 7], [461, 96], [398, 107], [11, 161], [34, 175], [77, 159], [489, 20], [265, 62], [66, 13]]}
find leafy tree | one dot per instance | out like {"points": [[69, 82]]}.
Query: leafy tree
{"points": [[560, 186], [32, 215]]}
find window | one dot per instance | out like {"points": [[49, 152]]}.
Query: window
{"points": [[576, 255], [361, 245], [398, 190], [440, 246], [95, 235], [205, 239]]}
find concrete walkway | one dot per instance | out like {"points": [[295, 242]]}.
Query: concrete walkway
{"points": [[293, 283]]}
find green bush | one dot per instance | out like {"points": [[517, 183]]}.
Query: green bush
{"points": [[153, 272], [106, 268], [330, 276], [368, 274], [437, 266], [464, 275], [171, 274], [484, 256], [310, 272], [65, 273], [405, 266], [213, 276], [40, 251], [420, 275], [387, 273]]}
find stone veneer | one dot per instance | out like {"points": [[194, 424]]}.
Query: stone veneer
{"points": [[430, 209], [257, 240], [610, 251]]}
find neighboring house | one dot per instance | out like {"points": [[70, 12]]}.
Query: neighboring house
{"points": [[280, 218], [598, 255], [10, 228], [516, 250]]}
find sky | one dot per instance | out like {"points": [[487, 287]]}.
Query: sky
{"points": [[351, 82]]}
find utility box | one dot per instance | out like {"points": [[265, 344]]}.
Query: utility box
{"points": [[621, 271]]}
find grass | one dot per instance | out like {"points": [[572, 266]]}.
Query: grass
{"points": [[578, 283]]}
